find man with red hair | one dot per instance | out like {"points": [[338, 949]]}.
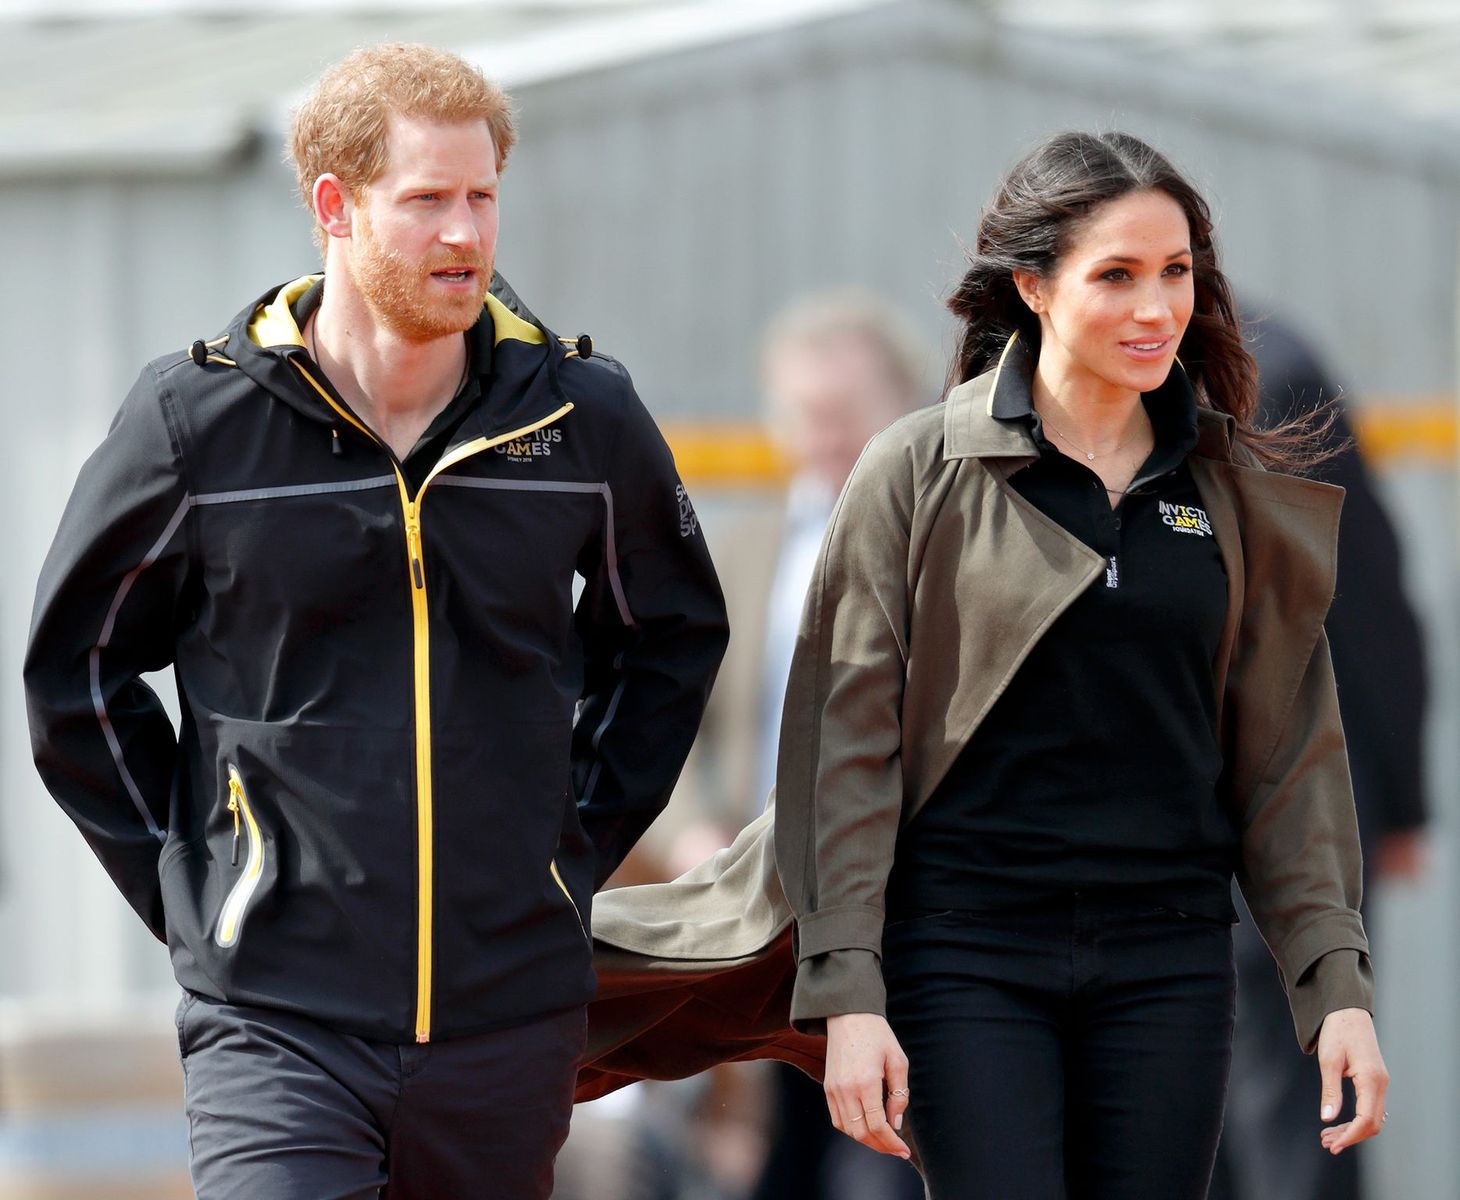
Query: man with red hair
{"points": [[352, 524]]}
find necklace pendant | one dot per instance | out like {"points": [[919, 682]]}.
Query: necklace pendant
{"points": [[1090, 456]]}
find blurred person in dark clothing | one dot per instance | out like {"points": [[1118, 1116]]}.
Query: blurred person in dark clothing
{"points": [[1268, 1150]]}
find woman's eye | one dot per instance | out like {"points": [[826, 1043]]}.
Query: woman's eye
{"points": [[1116, 274], [1178, 269]]}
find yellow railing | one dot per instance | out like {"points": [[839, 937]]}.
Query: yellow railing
{"points": [[1392, 433], [1404, 431], [724, 454]]}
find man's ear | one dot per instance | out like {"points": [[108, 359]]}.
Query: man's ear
{"points": [[1031, 290], [333, 207]]}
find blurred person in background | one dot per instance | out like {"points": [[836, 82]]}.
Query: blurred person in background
{"points": [[1267, 1149], [351, 524], [836, 370], [837, 367]]}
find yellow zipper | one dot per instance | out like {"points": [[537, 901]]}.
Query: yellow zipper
{"points": [[558, 879], [421, 637], [230, 918], [233, 807]]}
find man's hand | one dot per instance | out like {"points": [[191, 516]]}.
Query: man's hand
{"points": [[1347, 1048], [866, 1081]]}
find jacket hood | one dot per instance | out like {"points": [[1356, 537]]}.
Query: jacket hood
{"points": [[265, 342]]}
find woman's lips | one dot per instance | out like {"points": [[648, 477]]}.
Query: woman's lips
{"points": [[1147, 349]]}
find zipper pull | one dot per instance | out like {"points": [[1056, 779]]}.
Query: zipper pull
{"points": [[413, 545], [234, 789], [337, 447]]}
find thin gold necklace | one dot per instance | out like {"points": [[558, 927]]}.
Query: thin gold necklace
{"points": [[1092, 455]]}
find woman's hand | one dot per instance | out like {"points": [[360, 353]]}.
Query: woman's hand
{"points": [[862, 1059], [1347, 1048]]}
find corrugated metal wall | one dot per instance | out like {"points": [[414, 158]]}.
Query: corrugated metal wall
{"points": [[668, 206]]}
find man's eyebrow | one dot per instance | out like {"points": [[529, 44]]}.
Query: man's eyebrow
{"points": [[417, 186]]}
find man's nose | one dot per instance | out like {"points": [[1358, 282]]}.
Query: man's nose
{"points": [[458, 228]]}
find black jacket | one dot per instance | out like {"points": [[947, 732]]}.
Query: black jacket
{"points": [[405, 752]]}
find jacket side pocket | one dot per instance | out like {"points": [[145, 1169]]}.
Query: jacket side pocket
{"points": [[245, 827]]}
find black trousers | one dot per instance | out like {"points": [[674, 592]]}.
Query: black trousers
{"points": [[282, 1108], [1075, 1053]]}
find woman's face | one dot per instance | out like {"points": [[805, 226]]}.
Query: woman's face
{"points": [[1112, 313]]}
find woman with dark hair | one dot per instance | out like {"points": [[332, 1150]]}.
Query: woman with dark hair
{"points": [[1062, 675]]}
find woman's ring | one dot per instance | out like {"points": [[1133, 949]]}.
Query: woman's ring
{"points": [[898, 1092], [858, 1117]]}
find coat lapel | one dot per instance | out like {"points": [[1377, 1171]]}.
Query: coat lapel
{"points": [[1286, 556], [990, 574]]}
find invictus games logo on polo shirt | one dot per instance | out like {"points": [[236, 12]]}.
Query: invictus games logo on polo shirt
{"points": [[537, 444], [1185, 518]]}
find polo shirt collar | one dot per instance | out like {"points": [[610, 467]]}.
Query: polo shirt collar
{"points": [[993, 415]]}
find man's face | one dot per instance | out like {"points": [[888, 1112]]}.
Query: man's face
{"points": [[826, 400], [424, 235]]}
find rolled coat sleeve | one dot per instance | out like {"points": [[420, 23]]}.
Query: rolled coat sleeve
{"points": [[839, 779]]}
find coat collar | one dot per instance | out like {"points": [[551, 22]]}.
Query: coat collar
{"points": [[979, 418]]}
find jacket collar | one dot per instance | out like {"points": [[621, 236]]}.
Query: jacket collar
{"points": [[511, 349], [275, 323], [982, 417]]}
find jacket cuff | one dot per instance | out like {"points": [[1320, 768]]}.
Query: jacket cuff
{"points": [[847, 927], [844, 981], [1340, 979]]}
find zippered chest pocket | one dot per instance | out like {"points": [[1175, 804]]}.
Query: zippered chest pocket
{"points": [[247, 848]]}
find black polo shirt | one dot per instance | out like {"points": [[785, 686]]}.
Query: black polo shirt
{"points": [[1096, 770]]}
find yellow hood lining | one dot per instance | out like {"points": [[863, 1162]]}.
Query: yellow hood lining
{"points": [[274, 324]]}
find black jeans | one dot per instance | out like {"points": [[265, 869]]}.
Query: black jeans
{"points": [[283, 1108], [1076, 1052]]}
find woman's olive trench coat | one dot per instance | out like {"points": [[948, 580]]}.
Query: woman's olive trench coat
{"points": [[934, 581]]}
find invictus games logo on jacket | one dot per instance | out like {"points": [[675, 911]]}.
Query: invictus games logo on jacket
{"points": [[688, 522], [1185, 518], [537, 444]]}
